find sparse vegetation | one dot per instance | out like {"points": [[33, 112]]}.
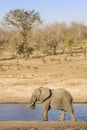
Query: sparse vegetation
{"points": [[34, 55], [46, 51], [30, 40], [23, 21]]}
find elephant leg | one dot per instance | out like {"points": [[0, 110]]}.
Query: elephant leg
{"points": [[73, 116], [62, 115], [45, 114], [46, 108]]}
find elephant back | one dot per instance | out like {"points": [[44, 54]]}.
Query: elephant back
{"points": [[61, 99]]}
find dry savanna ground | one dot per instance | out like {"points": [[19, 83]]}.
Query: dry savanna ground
{"points": [[18, 80], [26, 125]]}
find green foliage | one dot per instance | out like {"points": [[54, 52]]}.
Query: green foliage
{"points": [[52, 45], [20, 49], [24, 21], [30, 50], [68, 42]]}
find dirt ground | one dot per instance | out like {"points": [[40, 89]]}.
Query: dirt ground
{"points": [[18, 80], [19, 90], [26, 125]]}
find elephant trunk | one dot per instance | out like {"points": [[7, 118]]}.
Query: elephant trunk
{"points": [[32, 102]]}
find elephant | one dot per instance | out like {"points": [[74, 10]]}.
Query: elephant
{"points": [[59, 99]]}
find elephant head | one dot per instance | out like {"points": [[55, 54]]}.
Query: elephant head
{"points": [[39, 95]]}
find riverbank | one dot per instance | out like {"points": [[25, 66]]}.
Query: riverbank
{"points": [[18, 81], [19, 90], [39, 125]]}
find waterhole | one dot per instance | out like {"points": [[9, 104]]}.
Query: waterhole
{"points": [[10, 112]]}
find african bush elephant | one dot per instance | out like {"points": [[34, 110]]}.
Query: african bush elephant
{"points": [[53, 98]]}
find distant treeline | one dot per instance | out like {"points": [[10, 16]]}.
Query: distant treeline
{"points": [[23, 33]]}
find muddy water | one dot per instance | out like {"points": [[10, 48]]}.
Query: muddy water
{"points": [[22, 112]]}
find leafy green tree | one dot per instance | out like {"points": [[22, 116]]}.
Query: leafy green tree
{"points": [[24, 21], [68, 44]]}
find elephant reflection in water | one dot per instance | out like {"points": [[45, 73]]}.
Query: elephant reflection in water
{"points": [[59, 99]]}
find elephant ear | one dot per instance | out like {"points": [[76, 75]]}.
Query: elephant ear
{"points": [[45, 93]]}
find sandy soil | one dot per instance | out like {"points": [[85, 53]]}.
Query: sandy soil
{"points": [[25, 125], [20, 89], [17, 83]]}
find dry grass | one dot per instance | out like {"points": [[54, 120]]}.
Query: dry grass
{"points": [[53, 68], [17, 81]]}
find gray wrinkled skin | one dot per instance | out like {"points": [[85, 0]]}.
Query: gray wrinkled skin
{"points": [[59, 99]]}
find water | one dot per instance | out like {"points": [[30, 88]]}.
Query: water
{"points": [[21, 112]]}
